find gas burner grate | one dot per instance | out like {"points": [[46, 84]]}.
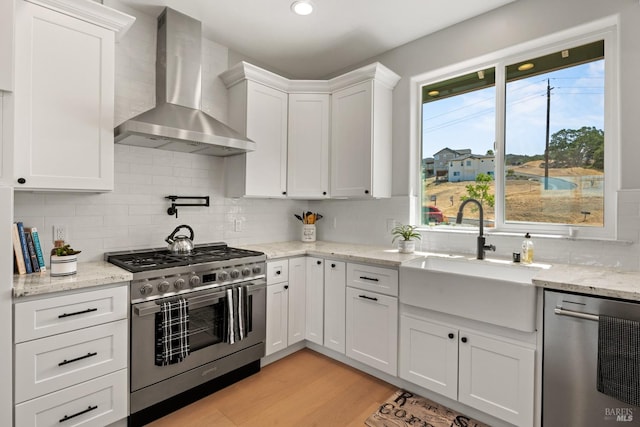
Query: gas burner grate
{"points": [[158, 259]]}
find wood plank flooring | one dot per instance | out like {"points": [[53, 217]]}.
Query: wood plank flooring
{"points": [[303, 389]]}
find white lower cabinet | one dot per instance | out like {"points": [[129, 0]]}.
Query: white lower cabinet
{"points": [[372, 329], [335, 280], [71, 358], [285, 303], [481, 370], [315, 300]]}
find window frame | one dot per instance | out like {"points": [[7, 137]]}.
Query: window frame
{"points": [[607, 30]]}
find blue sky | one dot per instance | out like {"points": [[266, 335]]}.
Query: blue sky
{"points": [[468, 121]]}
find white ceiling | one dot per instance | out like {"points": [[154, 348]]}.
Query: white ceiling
{"points": [[338, 34]]}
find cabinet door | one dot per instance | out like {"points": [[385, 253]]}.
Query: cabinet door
{"points": [[297, 300], [372, 329], [429, 355], [334, 309], [315, 300], [48, 364], [6, 45], [261, 112], [277, 317], [497, 377], [351, 139], [98, 402], [64, 86], [308, 147]]}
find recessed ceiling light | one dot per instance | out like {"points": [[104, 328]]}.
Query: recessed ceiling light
{"points": [[525, 67], [302, 7], [433, 93]]}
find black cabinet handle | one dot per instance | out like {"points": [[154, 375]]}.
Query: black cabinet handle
{"points": [[463, 339], [88, 310], [333, 266], [86, 356], [318, 262], [373, 279], [366, 297], [68, 417], [284, 193], [451, 335], [22, 181], [286, 286], [324, 193], [278, 272], [366, 191]]}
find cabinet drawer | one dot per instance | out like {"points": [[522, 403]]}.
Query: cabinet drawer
{"points": [[48, 364], [375, 279], [98, 403], [277, 271], [48, 316]]}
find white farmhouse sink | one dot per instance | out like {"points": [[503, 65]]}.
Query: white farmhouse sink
{"points": [[492, 291]]}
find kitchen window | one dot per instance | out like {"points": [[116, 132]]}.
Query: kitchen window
{"points": [[535, 139]]}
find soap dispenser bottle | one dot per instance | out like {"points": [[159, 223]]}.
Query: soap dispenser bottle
{"points": [[527, 249]]}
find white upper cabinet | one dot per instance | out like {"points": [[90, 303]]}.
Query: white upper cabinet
{"points": [[260, 112], [6, 45], [64, 95], [308, 148], [334, 140], [361, 149]]}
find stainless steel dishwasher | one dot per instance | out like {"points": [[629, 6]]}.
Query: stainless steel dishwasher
{"points": [[570, 357]]}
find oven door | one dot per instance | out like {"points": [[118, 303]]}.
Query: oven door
{"points": [[208, 320]]}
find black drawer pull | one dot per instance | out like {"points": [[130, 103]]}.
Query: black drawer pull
{"points": [[366, 297], [373, 279], [68, 417], [88, 310], [66, 362]]}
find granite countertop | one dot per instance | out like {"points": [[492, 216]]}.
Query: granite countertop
{"points": [[347, 251], [571, 278], [89, 274], [597, 281]]}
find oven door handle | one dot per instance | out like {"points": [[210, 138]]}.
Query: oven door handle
{"points": [[142, 310]]}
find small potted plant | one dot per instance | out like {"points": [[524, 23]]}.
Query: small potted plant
{"points": [[408, 233], [64, 260]]}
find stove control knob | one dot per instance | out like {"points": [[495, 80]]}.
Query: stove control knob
{"points": [[223, 275], [246, 271], [163, 286], [179, 284], [257, 269], [146, 289], [194, 281], [235, 274]]}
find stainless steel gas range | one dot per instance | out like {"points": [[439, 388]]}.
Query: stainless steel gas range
{"points": [[197, 323]]}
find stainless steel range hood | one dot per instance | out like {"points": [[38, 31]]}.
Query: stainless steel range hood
{"points": [[177, 123]]}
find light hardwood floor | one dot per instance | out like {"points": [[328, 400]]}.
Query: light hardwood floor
{"points": [[304, 389]]}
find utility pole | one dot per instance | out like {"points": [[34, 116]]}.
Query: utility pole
{"points": [[546, 147]]}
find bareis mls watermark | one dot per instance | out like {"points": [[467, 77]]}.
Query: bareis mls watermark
{"points": [[618, 414]]}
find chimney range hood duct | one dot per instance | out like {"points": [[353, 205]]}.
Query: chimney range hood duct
{"points": [[177, 123]]}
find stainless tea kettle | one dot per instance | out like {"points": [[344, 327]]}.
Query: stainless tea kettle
{"points": [[180, 244]]}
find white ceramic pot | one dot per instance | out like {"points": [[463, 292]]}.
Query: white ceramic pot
{"points": [[65, 265], [406, 246], [308, 232]]}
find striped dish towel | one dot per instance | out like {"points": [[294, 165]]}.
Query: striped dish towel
{"points": [[237, 315], [172, 332]]}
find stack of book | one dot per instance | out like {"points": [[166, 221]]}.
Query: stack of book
{"points": [[27, 250]]}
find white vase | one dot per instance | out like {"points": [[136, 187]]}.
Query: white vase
{"points": [[65, 265], [406, 246]]}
